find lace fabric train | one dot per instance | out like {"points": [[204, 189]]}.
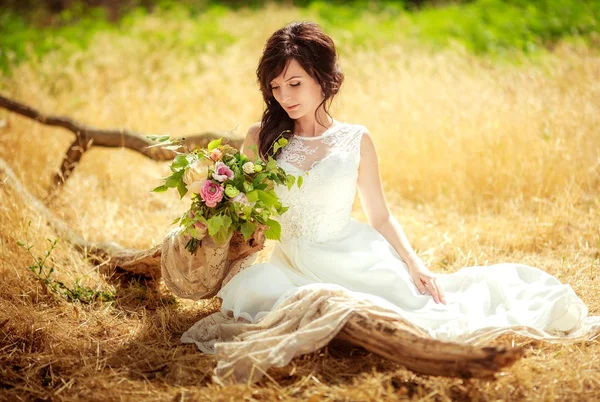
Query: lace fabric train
{"points": [[328, 265]]}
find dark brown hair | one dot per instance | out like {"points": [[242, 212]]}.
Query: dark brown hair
{"points": [[315, 52]]}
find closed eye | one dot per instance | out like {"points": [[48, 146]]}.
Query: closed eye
{"points": [[292, 85]]}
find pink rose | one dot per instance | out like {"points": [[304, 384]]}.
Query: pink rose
{"points": [[222, 172], [216, 154], [211, 193]]}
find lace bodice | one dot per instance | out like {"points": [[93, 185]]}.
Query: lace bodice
{"points": [[320, 209]]}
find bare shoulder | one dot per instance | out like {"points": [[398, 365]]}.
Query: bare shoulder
{"points": [[367, 144], [251, 140], [253, 131]]}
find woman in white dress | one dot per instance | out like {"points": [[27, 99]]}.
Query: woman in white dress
{"points": [[322, 247]]}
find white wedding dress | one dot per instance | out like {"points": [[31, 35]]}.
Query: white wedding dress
{"points": [[329, 264]]}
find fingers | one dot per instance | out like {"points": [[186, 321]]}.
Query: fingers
{"points": [[434, 289], [440, 295], [421, 287]]}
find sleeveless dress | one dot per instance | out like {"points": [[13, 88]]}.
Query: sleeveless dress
{"points": [[328, 264]]}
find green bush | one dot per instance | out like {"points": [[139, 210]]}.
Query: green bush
{"points": [[75, 28], [483, 27], [492, 26], [21, 39]]}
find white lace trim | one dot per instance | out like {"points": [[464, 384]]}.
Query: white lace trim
{"points": [[320, 210]]}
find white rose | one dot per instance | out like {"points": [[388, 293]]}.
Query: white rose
{"points": [[195, 175], [248, 167]]}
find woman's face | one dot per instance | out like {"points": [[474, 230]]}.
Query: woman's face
{"points": [[297, 92]]}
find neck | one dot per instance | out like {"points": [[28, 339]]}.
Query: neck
{"points": [[308, 126]]}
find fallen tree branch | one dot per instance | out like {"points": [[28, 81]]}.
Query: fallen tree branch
{"points": [[87, 136], [401, 343], [112, 255]]}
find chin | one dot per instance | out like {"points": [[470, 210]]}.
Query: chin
{"points": [[295, 114]]}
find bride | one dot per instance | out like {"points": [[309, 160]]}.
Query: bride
{"points": [[324, 251]]}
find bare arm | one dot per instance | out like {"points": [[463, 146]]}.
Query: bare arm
{"points": [[373, 201]]}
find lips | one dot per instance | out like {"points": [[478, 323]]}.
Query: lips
{"points": [[292, 107]]}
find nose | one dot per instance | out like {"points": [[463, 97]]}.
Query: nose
{"points": [[285, 97]]}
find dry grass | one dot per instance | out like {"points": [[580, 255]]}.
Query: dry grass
{"points": [[482, 164]]}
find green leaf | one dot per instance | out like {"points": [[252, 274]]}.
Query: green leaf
{"points": [[172, 147], [193, 232], [221, 237], [167, 144], [290, 181], [247, 229], [283, 141], [182, 189], [252, 196], [160, 189], [179, 162], [214, 224], [213, 144], [159, 138], [271, 164], [174, 180], [274, 231], [268, 199], [300, 181], [225, 230], [259, 177]]}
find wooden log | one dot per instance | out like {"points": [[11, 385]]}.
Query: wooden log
{"points": [[418, 352]]}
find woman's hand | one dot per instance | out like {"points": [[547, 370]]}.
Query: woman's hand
{"points": [[425, 280]]}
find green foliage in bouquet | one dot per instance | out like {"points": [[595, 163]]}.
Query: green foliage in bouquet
{"points": [[229, 191]]}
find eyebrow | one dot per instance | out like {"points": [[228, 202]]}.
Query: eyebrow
{"points": [[295, 76]]}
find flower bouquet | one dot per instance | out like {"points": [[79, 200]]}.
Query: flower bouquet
{"points": [[232, 211], [229, 192]]}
